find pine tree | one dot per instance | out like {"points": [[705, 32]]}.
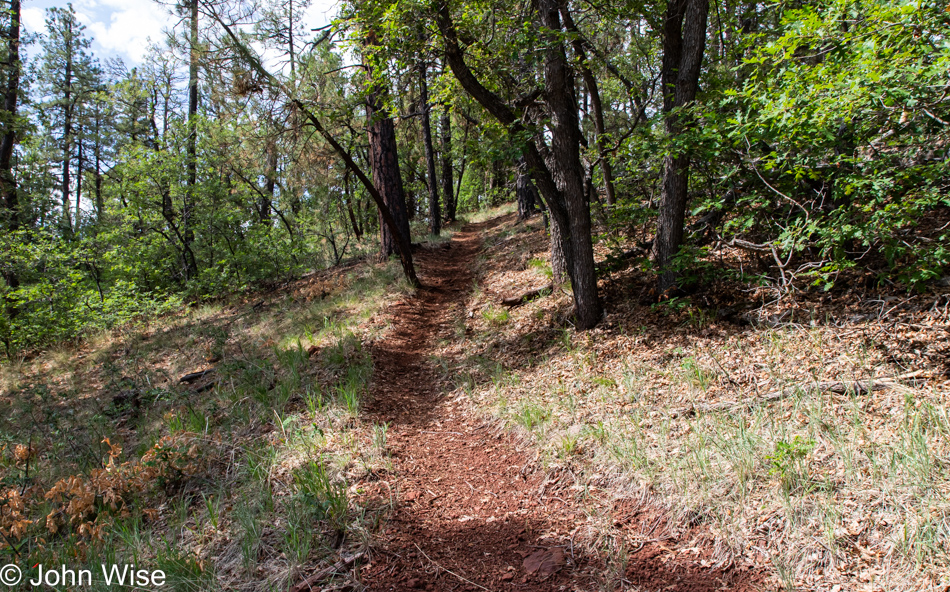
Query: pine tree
{"points": [[67, 77]]}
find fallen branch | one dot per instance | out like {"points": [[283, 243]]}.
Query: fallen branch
{"points": [[326, 572], [749, 246], [858, 387], [529, 295], [195, 376]]}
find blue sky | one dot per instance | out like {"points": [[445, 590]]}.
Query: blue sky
{"points": [[122, 28]]}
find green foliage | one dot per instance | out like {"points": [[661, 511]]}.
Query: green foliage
{"points": [[329, 498], [788, 462], [838, 125], [496, 316], [530, 415]]}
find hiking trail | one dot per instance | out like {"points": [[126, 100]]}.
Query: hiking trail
{"points": [[473, 510]]}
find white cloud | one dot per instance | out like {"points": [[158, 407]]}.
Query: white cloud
{"points": [[34, 19], [321, 12], [124, 27]]}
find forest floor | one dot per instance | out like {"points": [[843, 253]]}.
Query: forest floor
{"points": [[341, 431], [477, 510]]}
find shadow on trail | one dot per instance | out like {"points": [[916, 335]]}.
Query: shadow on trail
{"points": [[472, 510]]}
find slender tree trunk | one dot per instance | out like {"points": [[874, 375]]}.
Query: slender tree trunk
{"points": [[290, 41], [524, 188], [596, 106], [448, 196], [79, 165], [684, 41], [187, 210], [67, 136], [8, 186], [267, 199], [100, 204], [435, 216]]}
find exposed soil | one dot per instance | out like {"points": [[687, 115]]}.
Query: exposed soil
{"points": [[472, 509]]}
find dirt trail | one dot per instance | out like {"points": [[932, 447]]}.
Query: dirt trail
{"points": [[472, 512]]}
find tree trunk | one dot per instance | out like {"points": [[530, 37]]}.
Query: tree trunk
{"points": [[684, 41], [596, 106], [565, 149], [448, 195], [564, 192], [97, 157], [559, 269], [67, 137], [187, 209], [435, 217], [384, 160], [524, 188], [79, 165], [8, 188]]}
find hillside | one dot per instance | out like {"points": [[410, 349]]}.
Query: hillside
{"points": [[343, 430]]}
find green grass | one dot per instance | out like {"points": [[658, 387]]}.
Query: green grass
{"points": [[270, 438], [496, 316]]}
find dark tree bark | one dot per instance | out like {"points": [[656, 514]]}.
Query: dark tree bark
{"points": [[596, 105], [684, 41], [8, 187], [525, 191], [448, 185], [565, 149], [187, 209], [435, 216], [563, 192], [384, 161], [97, 159], [79, 170]]}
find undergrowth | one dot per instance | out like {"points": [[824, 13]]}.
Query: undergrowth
{"points": [[236, 480]]}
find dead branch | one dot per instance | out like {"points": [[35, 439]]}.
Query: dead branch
{"points": [[858, 387], [326, 572], [529, 295], [195, 375], [748, 246]]}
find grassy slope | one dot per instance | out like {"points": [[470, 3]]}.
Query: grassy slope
{"points": [[240, 485], [825, 488]]}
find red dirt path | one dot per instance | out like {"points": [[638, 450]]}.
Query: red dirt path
{"points": [[472, 510]]}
